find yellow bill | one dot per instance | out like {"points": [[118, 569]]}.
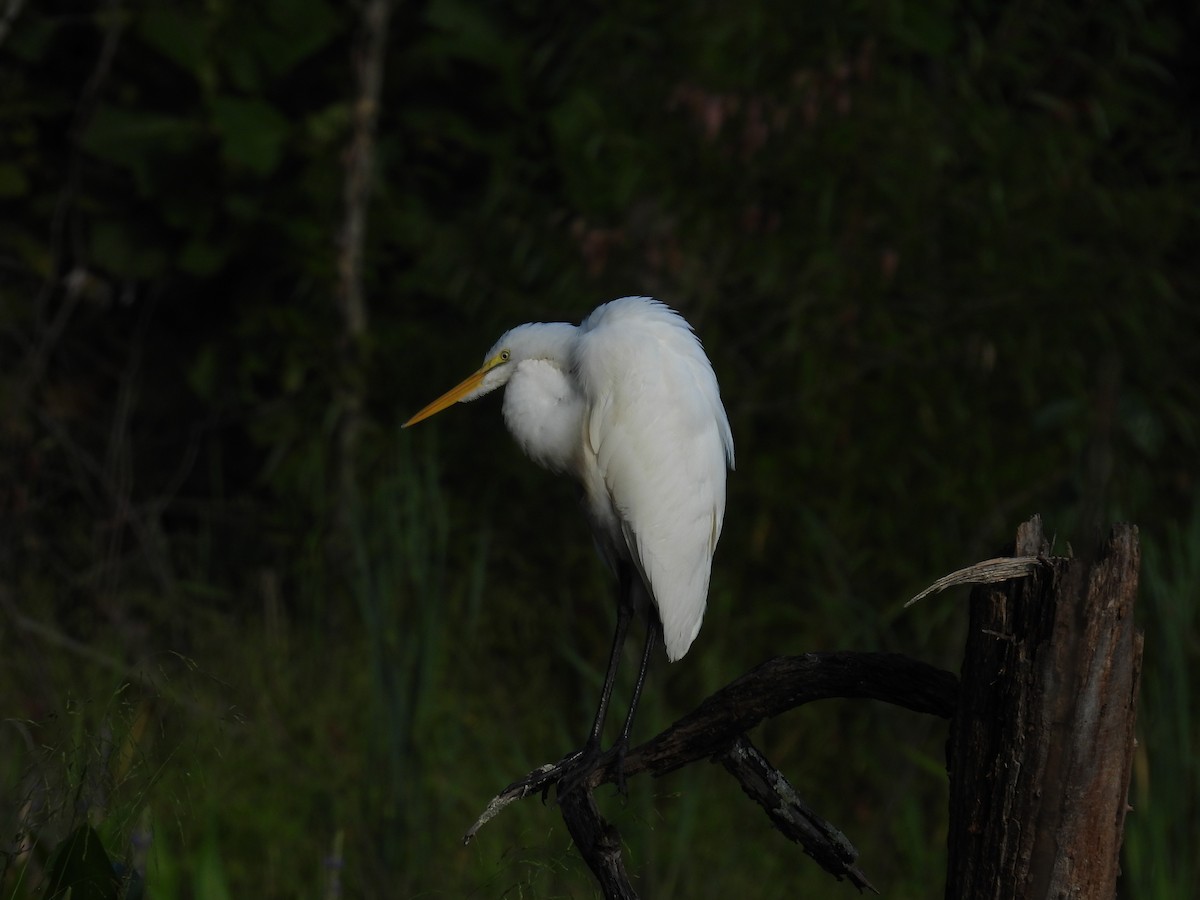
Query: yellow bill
{"points": [[459, 391], [449, 398]]}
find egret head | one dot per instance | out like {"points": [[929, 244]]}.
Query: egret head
{"points": [[532, 341]]}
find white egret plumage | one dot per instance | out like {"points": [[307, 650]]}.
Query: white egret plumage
{"points": [[627, 404]]}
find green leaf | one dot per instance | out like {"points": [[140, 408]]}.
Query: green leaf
{"points": [[929, 30], [13, 182], [297, 29], [29, 41], [242, 64], [135, 140], [209, 879], [475, 35], [203, 374], [178, 33], [114, 247], [202, 257], [252, 132], [329, 124], [81, 869]]}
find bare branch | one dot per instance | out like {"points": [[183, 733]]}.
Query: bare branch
{"points": [[716, 729], [791, 816], [781, 684], [598, 842]]}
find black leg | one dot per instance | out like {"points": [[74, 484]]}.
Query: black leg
{"points": [[576, 767], [653, 632], [625, 576]]}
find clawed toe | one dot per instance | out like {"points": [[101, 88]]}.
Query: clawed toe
{"points": [[575, 769], [572, 772]]}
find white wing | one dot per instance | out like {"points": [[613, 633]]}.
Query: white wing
{"points": [[659, 439]]}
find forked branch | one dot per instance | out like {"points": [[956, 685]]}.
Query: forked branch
{"points": [[716, 730]]}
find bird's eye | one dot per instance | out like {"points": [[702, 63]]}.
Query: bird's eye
{"points": [[504, 355]]}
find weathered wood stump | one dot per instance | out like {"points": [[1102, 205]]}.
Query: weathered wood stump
{"points": [[1043, 740]]}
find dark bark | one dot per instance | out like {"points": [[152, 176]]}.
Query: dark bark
{"points": [[599, 844], [792, 817], [1042, 744], [715, 730], [784, 683]]}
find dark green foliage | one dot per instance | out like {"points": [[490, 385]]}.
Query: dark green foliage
{"points": [[942, 256], [80, 869]]}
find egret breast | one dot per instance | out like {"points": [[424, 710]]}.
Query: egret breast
{"points": [[543, 411]]}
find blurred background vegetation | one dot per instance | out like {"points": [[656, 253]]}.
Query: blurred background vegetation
{"points": [[943, 256]]}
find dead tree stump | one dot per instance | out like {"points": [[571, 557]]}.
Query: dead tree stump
{"points": [[1042, 744]]}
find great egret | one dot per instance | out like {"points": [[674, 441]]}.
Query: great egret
{"points": [[626, 403]]}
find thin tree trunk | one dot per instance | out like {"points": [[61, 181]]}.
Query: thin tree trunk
{"points": [[352, 307], [1042, 745]]}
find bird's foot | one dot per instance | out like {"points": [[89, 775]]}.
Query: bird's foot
{"points": [[573, 770]]}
